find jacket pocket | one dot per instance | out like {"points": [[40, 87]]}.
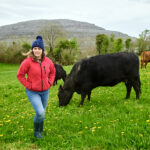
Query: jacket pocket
{"points": [[29, 85]]}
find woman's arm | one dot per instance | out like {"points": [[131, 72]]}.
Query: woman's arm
{"points": [[24, 68], [52, 74]]}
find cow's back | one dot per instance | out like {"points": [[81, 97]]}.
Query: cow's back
{"points": [[105, 70]]}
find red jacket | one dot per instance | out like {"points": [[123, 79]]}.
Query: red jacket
{"points": [[40, 76]]}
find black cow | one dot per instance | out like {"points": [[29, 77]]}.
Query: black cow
{"points": [[101, 70], [60, 73]]}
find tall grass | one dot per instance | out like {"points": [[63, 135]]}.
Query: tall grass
{"points": [[108, 121]]}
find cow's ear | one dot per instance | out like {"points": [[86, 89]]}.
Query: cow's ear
{"points": [[60, 88]]}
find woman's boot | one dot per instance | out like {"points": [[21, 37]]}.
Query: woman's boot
{"points": [[37, 133]]}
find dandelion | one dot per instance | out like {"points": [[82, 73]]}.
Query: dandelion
{"points": [[93, 129], [141, 134], [1, 135], [80, 132], [148, 121], [99, 127], [8, 121], [86, 127]]}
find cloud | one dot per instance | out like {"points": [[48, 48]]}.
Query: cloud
{"points": [[128, 16]]}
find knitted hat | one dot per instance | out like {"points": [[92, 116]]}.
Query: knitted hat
{"points": [[38, 43]]}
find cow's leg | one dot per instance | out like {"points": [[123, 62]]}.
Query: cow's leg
{"points": [[89, 95], [54, 83], [145, 64], [141, 64], [82, 99], [136, 86], [128, 86], [63, 79], [139, 84]]}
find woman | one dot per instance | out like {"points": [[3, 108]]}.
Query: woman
{"points": [[40, 72]]}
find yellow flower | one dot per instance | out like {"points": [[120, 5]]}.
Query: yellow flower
{"points": [[8, 121], [148, 121], [99, 127], [80, 132], [86, 127], [1, 135], [141, 134]]}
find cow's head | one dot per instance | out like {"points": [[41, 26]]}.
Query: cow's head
{"points": [[64, 96]]}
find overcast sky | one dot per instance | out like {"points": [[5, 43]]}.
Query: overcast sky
{"points": [[127, 16]]}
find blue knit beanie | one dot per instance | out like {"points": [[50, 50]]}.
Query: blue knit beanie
{"points": [[38, 43]]}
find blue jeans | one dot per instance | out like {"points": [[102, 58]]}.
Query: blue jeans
{"points": [[39, 102]]}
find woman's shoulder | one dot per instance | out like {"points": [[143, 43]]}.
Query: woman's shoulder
{"points": [[27, 60], [48, 59]]}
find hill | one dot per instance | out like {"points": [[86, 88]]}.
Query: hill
{"points": [[83, 31]]}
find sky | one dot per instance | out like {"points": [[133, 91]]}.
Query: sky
{"points": [[131, 17]]}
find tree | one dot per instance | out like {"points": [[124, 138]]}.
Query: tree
{"points": [[26, 47], [143, 42], [66, 51], [51, 32], [128, 44], [111, 42], [102, 43], [118, 45]]}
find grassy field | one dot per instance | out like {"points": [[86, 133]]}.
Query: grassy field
{"points": [[108, 121]]}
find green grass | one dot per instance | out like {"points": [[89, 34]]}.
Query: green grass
{"points": [[108, 121]]}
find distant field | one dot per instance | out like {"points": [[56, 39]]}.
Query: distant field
{"points": [[108, 121]]}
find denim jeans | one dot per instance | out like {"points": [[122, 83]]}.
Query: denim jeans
{"points": [[39, 102]]}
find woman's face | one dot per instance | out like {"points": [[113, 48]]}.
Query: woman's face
{"points": [[37, 51]]}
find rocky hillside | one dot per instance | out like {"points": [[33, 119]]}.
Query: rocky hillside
{"points": [[83, 31]]}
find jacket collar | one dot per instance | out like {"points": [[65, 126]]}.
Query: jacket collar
{"points": [[31, 58]]}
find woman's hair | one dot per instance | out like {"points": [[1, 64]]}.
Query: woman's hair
{"points": [[31, 54]]}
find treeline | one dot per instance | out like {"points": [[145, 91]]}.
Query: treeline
{"points": [[67, 51], [105, 44]]}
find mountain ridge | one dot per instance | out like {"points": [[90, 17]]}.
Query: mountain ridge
{"points": [[84, 31]]}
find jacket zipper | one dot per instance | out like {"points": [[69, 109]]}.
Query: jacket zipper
{"points": [[44, 69], [41, 76]]}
